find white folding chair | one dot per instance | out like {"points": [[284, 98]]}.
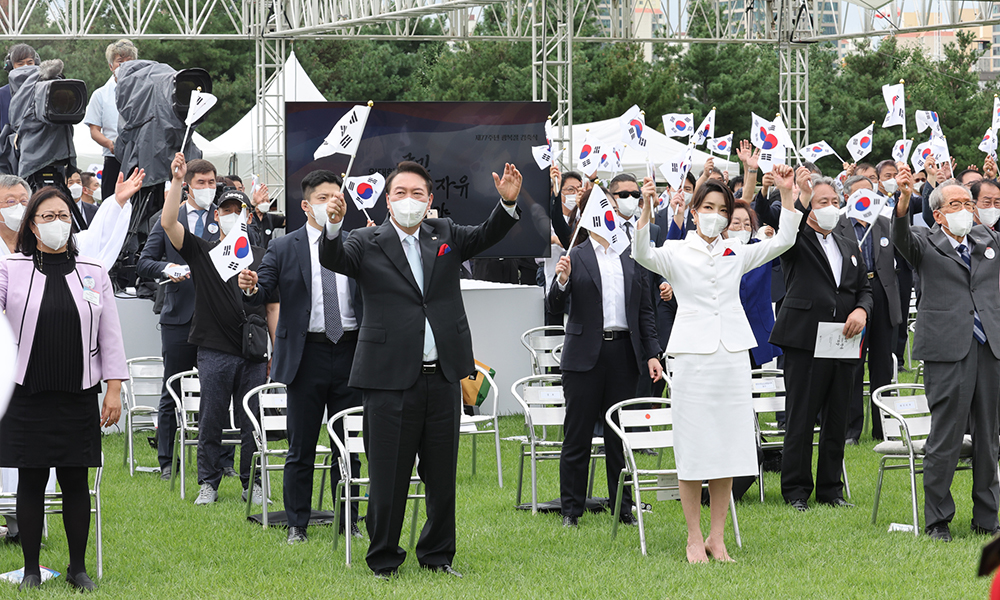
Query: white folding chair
{"points": [[767, 388], [269, 420], [656, 434], [485, 424], [351, 442], [906, 422], [145, 380], [540, 345]]}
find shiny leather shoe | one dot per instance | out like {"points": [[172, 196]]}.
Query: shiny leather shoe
{"points": [[388, 575], [297, 535], [839, 503], [571, 521], [983, 530], [80, 581], [628, 519], [30, 582], [446, 569], [799, 505], [939, 532]]}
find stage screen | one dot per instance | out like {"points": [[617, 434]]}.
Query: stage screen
{"points": [[460, 144]]}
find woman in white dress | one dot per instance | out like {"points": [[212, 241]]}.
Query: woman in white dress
{"points": [[714, 437]]}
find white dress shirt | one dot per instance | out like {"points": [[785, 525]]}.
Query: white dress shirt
{"points": [[833, 254], [103, 111], [193, 217], [317, 322], [612, 287]]}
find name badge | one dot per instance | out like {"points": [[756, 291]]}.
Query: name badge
{"points": [[884, 242], [990, 253], [854, 260], [213, 228], [92, 297]]}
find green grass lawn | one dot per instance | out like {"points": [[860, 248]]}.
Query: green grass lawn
{"points": [[157, 546]]}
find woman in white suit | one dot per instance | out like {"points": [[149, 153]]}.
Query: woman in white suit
{"points": [[714, 437]]}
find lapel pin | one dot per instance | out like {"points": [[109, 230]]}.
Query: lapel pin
{"points": [[854, 260], [884, 242], [434, 238], [990, 253]]}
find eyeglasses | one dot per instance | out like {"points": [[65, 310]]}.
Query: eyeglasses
{"points": [[569, 191], [634, 194], [49, 217], [967, 205]]}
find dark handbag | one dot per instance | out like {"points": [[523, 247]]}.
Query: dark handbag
{"points": [[254, 338]]}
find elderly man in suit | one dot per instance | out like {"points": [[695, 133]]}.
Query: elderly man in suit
{"points": [[958, 338], [414, 346], [878, 256], [825, 282], [314, 342]]}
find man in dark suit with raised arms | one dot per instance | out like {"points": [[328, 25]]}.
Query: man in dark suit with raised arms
{"points": [[414, 346]]}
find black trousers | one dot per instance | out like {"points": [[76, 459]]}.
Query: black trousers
{"points": [[814, 387], [589, 394], [320, 383], [109, 176], [961, 394], [400, 425], [907, 283], [877, 348]]}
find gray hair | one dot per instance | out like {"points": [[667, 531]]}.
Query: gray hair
{"points": [[816, 179], [9, 181], [855, 179], [123, 48], [937, 196]]}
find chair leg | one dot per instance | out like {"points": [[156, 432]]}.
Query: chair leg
{"points": [[878, 489], [638, 511], [265, 487], [760, 480], [847, 484], [336, 519], [593, 474], [496, 437], [413, 520], [618, 504], [126, 451], [736, 523], [520, 477], [913, 496], [322, 482], [534, 482], [474, 436], [253, 473], [98, 529]]}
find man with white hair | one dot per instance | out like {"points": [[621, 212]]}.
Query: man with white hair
{"points": [[102, 113], [958, 338]]}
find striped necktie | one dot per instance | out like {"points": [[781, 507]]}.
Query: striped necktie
{"points": [[977, 325]]}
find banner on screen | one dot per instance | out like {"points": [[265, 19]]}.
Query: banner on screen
{"points": [[460, 144]]}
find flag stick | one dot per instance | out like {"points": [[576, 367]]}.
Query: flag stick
{"points": [[184, 143], [351, 162], [904, 111]]}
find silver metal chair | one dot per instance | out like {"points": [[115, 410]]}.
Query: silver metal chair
{"points": [[352, 442], [540, 347], [145, 380], [485, 424], [272, 398], [657, 434]]}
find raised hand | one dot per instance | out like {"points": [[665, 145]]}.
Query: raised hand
{"points": [[261, 194], [563, 268], [336, 207], [990, 167], [247, 279], [178, 167], [510, 185], [783, 176], [648, 189], [126, 188], [744, 152], [666, 292], [803, 178], [556, 178]]}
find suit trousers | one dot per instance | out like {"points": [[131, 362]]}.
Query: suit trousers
{"points": [[879, 344], [814, 387], [961, 394], [109, 176], [589, 394], [400, 425], [320, 384], [225, 378]]}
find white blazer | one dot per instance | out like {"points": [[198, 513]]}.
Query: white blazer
{"points": [[706, 284]]}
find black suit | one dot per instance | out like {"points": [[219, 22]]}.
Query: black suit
{"points": [[314, 369], [596, 372], [175, 321], [88, 210], [816, 386], [880, 335], [412, 408]]}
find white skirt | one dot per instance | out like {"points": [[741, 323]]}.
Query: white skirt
{"points": [[714, 435]]}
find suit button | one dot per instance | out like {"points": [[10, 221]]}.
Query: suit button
{"points": [[716, 313], [712, 280], [425, 306], [713, 298], [303, 334], [972, 312], [711, 263]]}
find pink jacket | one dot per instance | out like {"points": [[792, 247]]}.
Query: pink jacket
{"points": [[21, 287]]}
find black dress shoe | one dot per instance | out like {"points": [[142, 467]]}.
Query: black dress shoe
{"points": [[571, 521], [80, 581], [839, 503], [799, 505], [983, 530], [165, 473], [628, 519], [446, 569], [30, 582], [297, 535], [355, 531], [387, 575], [939, 532]]}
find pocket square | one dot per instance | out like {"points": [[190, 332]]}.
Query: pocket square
{"points": [[444, 249], [729, 252]]}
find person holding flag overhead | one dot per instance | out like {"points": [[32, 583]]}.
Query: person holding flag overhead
{"points": [[610, 342], [714, 430], [221, 311]]}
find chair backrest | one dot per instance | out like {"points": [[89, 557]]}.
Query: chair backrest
{"points": [[767, 388], [655, 422], [493, 395], [899, 409], [351, 440], [540, 346], [189, 400], [270, 397], [145, 380], [541, 399]]}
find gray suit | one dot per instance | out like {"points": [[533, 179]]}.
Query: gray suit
{"points": [[962, 376]]}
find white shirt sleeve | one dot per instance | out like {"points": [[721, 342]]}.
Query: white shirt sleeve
{"points": [[104, 238]]}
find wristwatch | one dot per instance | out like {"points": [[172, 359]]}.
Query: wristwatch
{"points": [[505, 203]]}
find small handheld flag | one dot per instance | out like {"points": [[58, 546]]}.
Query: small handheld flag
{"points": [[611, 158], [542, 155], [895, 104], [920, 156], [901, 150], [678, 124], [633, 129], [601, 218], [365, 190], [234, 253], [762, 133], [198, 107], [989, 143], [860, 143], [722, 145], [996, 114], [928, 119], [589, 156], [814, 152], [864, 205], [769, 158], [676, 169], [706, 130], [346, 134]]}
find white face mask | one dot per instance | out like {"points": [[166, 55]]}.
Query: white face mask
{"points": [[743, 236], [408, 212], [570, 202], [97, 195], [989, 216], [628, 206], [319, 213], [12, 216], [76, 190], [265, 206], [711, 224], [203, 198], [54, 234], [227, 222], [827, 217], [890, 186], [687, 197], [959, 223]]}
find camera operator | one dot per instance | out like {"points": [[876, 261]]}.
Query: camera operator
{"points": [[102, 112], [19, 55]]}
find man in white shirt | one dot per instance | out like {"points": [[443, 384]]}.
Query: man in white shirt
{"points": [[102, 113]]}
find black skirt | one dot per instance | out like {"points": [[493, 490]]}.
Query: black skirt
{"points": [[51, 429]]}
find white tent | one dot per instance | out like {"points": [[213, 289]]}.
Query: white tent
{"points": [[241, 138], [89, 152], [661, 149]]}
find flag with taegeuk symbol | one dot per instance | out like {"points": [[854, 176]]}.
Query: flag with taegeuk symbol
{"points": [[233, 254], [600, 217], [860, 143]]}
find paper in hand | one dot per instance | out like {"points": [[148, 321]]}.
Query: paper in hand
{"points": [[831, 343], [177, 271]]}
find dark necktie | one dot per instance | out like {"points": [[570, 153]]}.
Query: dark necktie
{"points": [[977, 325], [628, 229], [331, 306], [199, 223]]}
